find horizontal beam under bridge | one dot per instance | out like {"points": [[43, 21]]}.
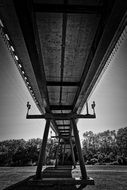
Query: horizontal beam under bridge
{"points": [[62, 8], [61, 116], [57, 83]]}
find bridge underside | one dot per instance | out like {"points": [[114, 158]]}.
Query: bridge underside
{"points": [[61, 48]]}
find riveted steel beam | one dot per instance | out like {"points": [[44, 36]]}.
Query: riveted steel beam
{"points": [[59, 83], [62, 8], [63, 125], [106, 9], [41, 159], [61, 107], [27, 21], [29, 29], [61, 116]]}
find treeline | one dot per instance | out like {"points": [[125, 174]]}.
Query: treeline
{"points": [[101, 148], [19, 152], [106, 147], [23, 153]]}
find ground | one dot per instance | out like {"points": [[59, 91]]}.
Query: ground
{"points": [[106, 177]]}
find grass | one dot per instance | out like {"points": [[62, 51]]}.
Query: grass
{"points": [[12, 175], [106, 177], [108, 181]]}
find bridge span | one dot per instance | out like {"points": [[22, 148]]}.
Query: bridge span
{"points": [[61, 48]]}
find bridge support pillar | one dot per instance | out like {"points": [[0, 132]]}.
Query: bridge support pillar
{"points": [[57, 153], [78, 146], [41, 160], [63, 153], [72, 152]]}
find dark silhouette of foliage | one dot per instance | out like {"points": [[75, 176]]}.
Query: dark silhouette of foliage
{"points": [[122, 141], [105, 147], [19, 152]]}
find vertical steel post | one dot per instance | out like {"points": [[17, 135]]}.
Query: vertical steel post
{"points": [[41, 158], [57, 152], [72, 153], [87, 109], [80, 157], [63, 153]]}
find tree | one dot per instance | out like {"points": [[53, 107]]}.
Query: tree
{"points": [[33, 146], [122, 141], [101, 146]]}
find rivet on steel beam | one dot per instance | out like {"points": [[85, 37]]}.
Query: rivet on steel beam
{"points": [[1, 23], [7, 37], [20, 65], [16, 57], [23, 72], [12, 48]]}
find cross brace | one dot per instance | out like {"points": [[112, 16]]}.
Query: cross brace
{"points": [[61, 116], [62, 136]]}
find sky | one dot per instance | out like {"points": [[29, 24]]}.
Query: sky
{"points": [[110, 96], [13, 99]]}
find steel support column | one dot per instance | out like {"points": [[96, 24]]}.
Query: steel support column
{"points": [[72, 152], [78, 146], [42, 150], [63, 153], [57, 152]]}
